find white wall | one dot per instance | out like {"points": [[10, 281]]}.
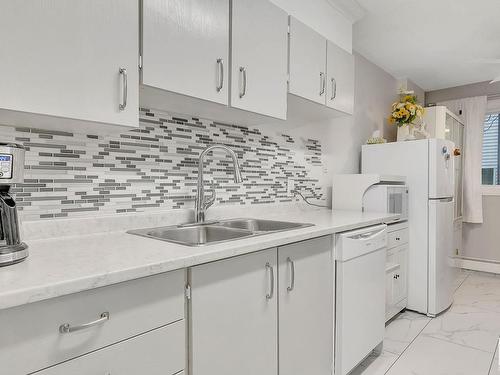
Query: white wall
{"points": [[481, 240], [321, 16], [475, 89], [407, 84]]}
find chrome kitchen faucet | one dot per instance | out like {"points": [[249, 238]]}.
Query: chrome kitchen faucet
{"points": [[202, 203]]}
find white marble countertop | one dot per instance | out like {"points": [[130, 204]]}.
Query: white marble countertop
{"points": [[60, 266]]}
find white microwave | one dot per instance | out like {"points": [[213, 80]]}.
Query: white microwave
{"points": [[388, 198]]}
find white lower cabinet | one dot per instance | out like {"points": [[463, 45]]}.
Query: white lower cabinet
{"points": [[159, 352], [46, 333], [233, 310], [396, 294], [269, 313], [235, 324], [306, 274]]}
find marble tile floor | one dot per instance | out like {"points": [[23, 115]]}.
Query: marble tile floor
{"points": [[461, 341]]}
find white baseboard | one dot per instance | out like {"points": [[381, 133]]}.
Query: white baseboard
{"points": [[481, 265]]}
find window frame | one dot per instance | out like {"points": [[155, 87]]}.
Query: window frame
{"points": [[488, 190]]}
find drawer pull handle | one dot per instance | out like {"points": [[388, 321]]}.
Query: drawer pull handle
{"points": [[270, 268], [243, 74], [322, 83], [398, 239], [292, 274], [67, 328], [123, 73], [334, 89], [220, 74]]}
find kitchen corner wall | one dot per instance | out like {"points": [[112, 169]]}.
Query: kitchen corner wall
{"points": [[155, 167]]}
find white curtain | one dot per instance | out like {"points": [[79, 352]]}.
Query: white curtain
{"points": [[473, 111]]}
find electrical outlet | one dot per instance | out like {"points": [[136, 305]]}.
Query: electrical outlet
{"points": [[290, 186]]}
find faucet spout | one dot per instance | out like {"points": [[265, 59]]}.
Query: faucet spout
{"points": [[201, 204]]}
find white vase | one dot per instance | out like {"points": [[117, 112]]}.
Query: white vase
{"points": [[405, 133]]}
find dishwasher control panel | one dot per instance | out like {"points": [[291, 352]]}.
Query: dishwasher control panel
{"points": [[355, 243]]}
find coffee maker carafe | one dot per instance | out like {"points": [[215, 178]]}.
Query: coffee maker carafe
{"points": [[12, 250]]}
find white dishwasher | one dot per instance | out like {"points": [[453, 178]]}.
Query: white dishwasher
{"points": [[360, 295]]}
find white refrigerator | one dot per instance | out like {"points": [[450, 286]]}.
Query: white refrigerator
{"points": [[428, 166]]}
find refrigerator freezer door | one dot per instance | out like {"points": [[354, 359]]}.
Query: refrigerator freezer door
{"points": [[441, 169], [440, 292]]}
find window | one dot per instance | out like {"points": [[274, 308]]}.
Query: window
{"points": [[491, 150]]}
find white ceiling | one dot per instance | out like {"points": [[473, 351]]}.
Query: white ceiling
{"points": [[435, 43]]}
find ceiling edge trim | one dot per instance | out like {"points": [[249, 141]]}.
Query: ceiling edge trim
{"points": [[349, 8]]}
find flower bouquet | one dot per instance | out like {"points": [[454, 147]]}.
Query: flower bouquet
{"points": [[406, 112]]}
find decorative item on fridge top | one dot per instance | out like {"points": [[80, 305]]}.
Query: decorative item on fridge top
{"points": [[408, 114], [376, 138]]}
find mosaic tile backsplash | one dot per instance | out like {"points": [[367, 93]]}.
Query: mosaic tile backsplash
{"points": [[154, 167]]}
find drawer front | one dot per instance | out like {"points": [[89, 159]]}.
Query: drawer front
{"points": [[134, 307], [397, 238], [159, 352]]}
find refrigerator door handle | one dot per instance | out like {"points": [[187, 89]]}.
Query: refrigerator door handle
{"points": [[447, 199]]}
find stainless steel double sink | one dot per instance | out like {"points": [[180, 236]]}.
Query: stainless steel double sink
{"points": [[198, 234]]}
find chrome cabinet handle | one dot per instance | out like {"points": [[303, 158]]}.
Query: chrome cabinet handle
{"points": [[123, 73], [322, 83], [292, 274], [334, 89], [243, 73], [67, 328], [271, 281], [220, 74]]}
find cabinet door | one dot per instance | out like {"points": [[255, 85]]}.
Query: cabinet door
{"points": [[234, 316], [389, 282], [306, 307], [185, 47], [63, 58], [402, 289], [158, 352], [340, 95], [307, 62], [259, 57]]}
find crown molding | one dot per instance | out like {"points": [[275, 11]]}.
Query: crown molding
{"points": [[349, 8]]}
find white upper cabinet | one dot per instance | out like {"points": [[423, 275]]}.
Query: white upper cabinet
{"points": [[320, 71], [185, 47], [307, 62], [259, 57], [75, 60], [340, 83]]}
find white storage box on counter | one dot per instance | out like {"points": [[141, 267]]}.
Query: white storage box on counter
{"points": [[360, 295]]}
